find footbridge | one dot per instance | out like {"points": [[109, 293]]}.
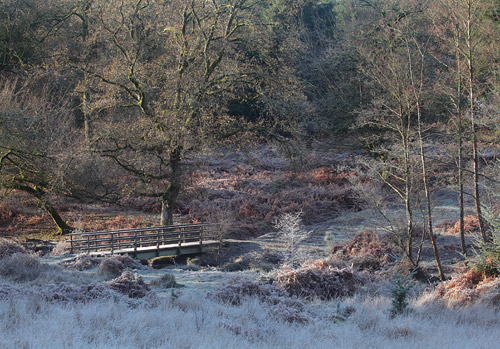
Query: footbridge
{"points": [[145, 243]]}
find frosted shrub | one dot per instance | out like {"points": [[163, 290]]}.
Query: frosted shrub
{"points": [[21, 267], [8, 248], [110, 267], [318, 279], [130, 285], [292, 231]]}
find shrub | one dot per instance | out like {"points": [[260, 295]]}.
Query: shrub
{"points": [[400, 293], [129, 284], [8, 248], [62, 247], [21, 267], [292, 230], [486, 257], [110, 267], [366, 250], [318, 279]]}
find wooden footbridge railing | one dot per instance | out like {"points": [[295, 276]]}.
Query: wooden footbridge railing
{"points": [[147, 242]]}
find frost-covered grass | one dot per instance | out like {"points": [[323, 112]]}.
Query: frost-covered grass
{"points": [[62, 307], [193, 321]]}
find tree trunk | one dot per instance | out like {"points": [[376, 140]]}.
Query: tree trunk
{"points": [[460, 150], [62, 226], [408, 208], [170, 195], [417, 91], [38, 194], [427, 196], [470, 56]]}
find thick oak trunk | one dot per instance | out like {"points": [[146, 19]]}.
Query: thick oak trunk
{"points": [[169, 197]]}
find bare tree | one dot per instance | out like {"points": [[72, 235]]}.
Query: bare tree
{"points": [[35, 134], [163, 72]]}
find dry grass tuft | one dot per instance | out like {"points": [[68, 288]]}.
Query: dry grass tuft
{"points": [[318, 279]]}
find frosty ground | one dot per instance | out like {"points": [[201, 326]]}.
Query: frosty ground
{"points": [[69, 301], [62, 302], [187, 318]]}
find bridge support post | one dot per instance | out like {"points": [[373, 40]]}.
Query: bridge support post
{"points": [[180, 242], [135, 244]]}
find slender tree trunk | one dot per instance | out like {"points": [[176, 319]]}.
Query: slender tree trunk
{"points": [[408, 208], [470, 64], [460, 150], [427, 195], [170, 195], [87, 122], [417, 92]]}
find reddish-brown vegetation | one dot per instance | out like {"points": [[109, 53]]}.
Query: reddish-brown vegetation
{"points": [[471, 225], [470, 287], [366, 250], [249, 197], [253, 196]]}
